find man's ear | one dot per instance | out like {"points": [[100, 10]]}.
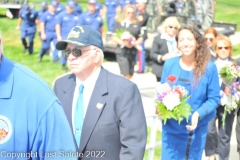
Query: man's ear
{"points": [[97, 56]]}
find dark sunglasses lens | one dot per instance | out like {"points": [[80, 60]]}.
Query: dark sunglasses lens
{"points": [[210, 39], [66, 52], [76, 52]]}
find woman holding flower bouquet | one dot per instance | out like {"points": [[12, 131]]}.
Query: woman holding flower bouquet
{"points": [[184, 136], [223, 50], [128, 36]]}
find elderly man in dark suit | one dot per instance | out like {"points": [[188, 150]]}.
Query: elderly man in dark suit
{"points": [[105, 110]]}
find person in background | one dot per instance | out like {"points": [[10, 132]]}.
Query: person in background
{"points": [[47, 28], [33, 123], [164, 45], [92, 18], [110, 10], [64, 23], [27, 19], [238, 129], [123, 3], [210, 35], [77, 8], [105, 110], [59, 7], [142, 18], [126, 52], [223, 49], [196, 73], [40, 12], [99, 9]]}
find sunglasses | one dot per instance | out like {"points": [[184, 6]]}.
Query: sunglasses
{"points": [[210, 39], [226, 48], [171, 27], [130, 12], [76, 52]]}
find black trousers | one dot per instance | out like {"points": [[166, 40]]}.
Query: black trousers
{"points": [[224, 135], [238, 131]]}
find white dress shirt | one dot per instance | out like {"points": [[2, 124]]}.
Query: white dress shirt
{"points": [[89, 85]]}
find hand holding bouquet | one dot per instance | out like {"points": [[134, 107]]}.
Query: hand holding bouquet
{"points": [[172, 102], [229, 73], [230, 100], [128, 39], [230, 95]]}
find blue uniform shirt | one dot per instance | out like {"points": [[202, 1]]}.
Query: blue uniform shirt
{"points": [[78, 8], [67, 22], [59, 8], [49, 20], [123, 3], [31, 117], [28, 20], [98, 7], [40, 12], [93, 20], [111, 6]]}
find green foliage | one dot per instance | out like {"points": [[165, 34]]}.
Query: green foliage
{"points": [[179, 113], [119, 32]]}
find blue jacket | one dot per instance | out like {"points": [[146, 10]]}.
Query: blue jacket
{"points": [[205, 97], [31, 117]]}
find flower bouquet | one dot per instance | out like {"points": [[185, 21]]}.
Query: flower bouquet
{"points": [[127, 38], [172, 103], [229, 101], [229, 73]]}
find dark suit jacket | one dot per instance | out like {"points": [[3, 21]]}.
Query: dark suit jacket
{"points": [[118, 130], [159, 47]]}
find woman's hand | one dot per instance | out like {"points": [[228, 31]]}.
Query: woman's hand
{"points": [[195, 118], [238, 88], [227, 91]]}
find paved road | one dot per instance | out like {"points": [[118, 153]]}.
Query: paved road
{"points": [[146, 83]]}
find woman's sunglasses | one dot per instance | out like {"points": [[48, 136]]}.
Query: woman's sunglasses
{"points": [[226, 48], [171, 27], [210, 39]]}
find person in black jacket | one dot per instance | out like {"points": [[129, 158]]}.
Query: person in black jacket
{"points": [[164, 45], [126, 52]]}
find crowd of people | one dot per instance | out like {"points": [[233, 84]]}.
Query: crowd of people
{"points": [[98, 114], [54, 20], [195, 60]]}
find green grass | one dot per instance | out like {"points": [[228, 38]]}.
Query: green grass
{"points": [[157, 151], [228, 11]]}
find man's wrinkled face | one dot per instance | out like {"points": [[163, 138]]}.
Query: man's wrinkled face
{"points": [[80, 62]]}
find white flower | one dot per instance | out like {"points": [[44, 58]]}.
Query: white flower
{"points": [[171, 100]]}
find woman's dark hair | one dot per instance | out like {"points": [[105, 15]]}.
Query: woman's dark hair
{"points": [[202, 54]]}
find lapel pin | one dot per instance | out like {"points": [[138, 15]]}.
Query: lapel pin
{"points": [[99, 105]]}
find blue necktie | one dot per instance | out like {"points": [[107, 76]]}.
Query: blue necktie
{"points": [[79, 115]]}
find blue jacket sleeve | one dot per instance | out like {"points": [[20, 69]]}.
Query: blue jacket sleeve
{"points": [[213, 93], [54, 136]]}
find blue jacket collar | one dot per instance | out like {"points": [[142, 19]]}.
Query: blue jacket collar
{"points": [[6, 78]]}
